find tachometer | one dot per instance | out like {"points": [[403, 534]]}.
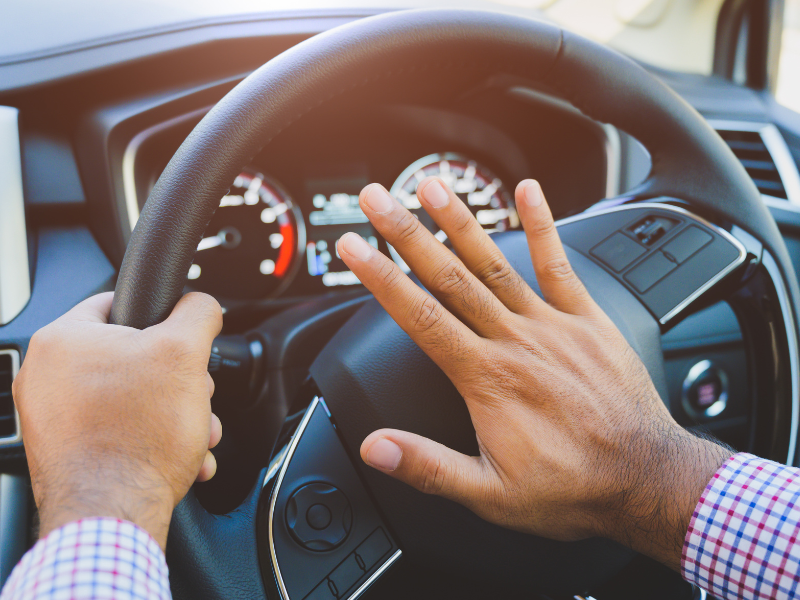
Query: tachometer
{"points": [[252, 243], [484, 194]]}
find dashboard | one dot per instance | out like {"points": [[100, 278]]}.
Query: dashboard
{"points": [[273, 237], [262, 242]]}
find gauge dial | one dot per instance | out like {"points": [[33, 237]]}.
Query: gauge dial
{"points": [[484, 194], [252, 242]]}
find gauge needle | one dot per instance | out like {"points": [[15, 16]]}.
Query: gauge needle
{"points": [[209, 242]]}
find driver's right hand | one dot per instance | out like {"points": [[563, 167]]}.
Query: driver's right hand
{"points": [[574, 439]]}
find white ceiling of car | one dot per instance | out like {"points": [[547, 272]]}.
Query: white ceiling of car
{"points": [[675, 34]]}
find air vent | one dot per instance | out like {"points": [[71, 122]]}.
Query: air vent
{"points": [[752, 151], [766, 157], [9, 420]]}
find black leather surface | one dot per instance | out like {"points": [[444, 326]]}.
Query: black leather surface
{"points": [[372, 375], [214, 556]]}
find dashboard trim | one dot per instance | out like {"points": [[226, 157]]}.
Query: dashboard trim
{"points": [[15, 279], [129, 160], [15, 364]]}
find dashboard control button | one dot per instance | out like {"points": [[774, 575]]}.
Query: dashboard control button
{"points": [[650, 271], [618, 251], [319, 516], [705, 390], [687, 244]]}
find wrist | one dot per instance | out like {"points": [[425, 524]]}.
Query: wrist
{"points": [[147, 504], [662, 486]]}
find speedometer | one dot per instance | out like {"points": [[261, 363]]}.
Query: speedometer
{"points": [[252, 243], [484, 194]]}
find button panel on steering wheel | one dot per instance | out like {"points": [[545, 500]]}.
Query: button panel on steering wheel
{"points": [[320, 534]]}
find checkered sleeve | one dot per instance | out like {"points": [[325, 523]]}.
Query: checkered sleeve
{"points": [[92, 559], [743, 538]]}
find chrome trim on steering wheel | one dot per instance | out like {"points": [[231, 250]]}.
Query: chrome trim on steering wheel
{"points": [[317, 401], [791, 340], [676, 209]]}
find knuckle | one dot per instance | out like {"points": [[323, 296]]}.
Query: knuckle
{"points": [[426, 315], [542, 228], [558, 269], [452, 279], [495, 271], [407, 229], [463, 223], [388, 274], [432, 476]]}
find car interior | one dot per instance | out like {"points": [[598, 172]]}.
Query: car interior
{"points": [[136, 157]]}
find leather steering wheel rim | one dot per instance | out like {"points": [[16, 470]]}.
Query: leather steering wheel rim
{"points": [[690, 161]]}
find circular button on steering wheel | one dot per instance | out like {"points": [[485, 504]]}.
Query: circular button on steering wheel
{"points": [[319, 516]]}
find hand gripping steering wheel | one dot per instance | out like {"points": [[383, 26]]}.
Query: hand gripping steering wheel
{"points": [[279, 543]]}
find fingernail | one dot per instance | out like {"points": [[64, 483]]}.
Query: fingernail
{"points": [[379, 200], [384, 454], [436, 195], [533, 194], [356, 246]]}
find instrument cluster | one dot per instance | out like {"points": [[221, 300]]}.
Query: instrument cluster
{"points": [[263, 242]]}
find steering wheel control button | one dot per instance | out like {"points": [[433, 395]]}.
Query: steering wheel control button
{"points": [[345, 576], [687, 244], [618, 251], [650, 271], [340, 582], [374, 548], [705, 390], [651, 229], [319, 516]]}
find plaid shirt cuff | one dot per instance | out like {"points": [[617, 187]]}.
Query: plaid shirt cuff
{"points": [[92, 559], [743, 538]]}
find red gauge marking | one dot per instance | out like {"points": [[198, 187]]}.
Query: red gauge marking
{"points": [[287, 250]]}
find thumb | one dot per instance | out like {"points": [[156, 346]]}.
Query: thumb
{"points": [[426, 465], [196, 317], [94, 310]]}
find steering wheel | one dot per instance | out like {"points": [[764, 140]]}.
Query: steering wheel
{"points": [[279, 543]]}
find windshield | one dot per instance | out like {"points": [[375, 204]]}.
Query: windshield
{"points": [[674, 34]]}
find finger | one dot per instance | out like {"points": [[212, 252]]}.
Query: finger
{"points": [[440, 335], [427, 466], [212, 387], [94, 310], [197, 317], [474, 246], [216, 432], [559, 283], [209, 468], [439, 270]]}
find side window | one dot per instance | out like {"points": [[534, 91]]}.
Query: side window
{"points": [[788, 92]]}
